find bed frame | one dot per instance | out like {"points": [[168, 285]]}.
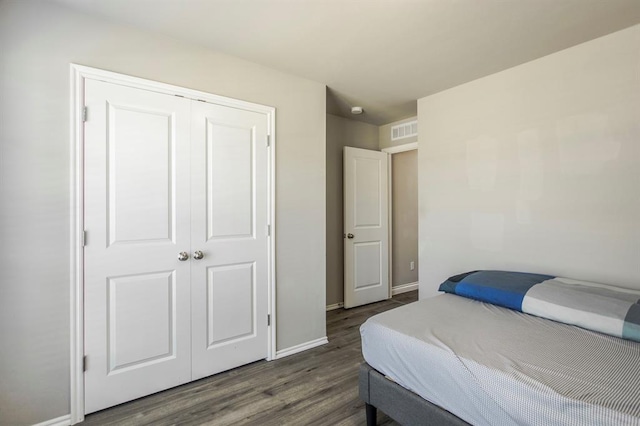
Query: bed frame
{"points": [[400, 404]]}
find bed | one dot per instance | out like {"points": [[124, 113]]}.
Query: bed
{"points": [[454, 360]]}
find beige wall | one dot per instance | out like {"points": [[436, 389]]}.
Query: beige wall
{"points": [[385, 134], [404, 217], [536, 168], [341, 132], [38, 40]]}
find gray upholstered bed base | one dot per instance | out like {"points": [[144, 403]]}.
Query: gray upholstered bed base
{"points": [[402, 405]]}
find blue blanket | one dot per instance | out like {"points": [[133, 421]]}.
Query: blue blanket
{"points": [[599, 307]]}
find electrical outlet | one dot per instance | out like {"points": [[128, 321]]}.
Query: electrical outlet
{"points": [[412, 265]]}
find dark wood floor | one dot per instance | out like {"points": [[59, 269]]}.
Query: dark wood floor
{"points": [[315, 387]]}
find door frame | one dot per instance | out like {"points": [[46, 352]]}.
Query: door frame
{"points": [[395, 150], [78, 75]]}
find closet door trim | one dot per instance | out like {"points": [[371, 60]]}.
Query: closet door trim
{"points": [[78, 75]]}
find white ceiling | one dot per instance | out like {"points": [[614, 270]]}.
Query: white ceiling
{"points": [[379, 54]]}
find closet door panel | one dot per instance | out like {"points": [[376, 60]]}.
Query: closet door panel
{"points": [[230, 184], [229, 226], [137, 202]]}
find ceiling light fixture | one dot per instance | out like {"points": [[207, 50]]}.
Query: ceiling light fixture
{"points": [[356, 110]]}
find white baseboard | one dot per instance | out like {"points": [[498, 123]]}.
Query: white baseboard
{"points": [[301, 347], [403, 288], [59, 421], [335, 306]]}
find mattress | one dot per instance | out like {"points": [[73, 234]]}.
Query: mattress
{"points": [[490, 365]]}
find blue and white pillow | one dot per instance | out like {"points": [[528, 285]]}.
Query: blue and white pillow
{"points": [[599, 307]]}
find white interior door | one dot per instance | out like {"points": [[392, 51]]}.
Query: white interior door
{"points": [[366, 227], [137, 292], [229, 227]]}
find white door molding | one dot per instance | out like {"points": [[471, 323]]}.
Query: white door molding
{"points": [[401, 148], [394, 150], [79, 74]]}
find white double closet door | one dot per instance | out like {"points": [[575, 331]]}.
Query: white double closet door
{"points": [[166, 175]]}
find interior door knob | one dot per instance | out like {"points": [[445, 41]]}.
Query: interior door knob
{"points": [[350, 235], [197, 255], [182, 256]]}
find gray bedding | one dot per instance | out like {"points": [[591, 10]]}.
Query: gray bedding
{"points": [[490, 365]]}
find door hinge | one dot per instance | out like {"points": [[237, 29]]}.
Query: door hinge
{"points": [[84, 238], [268, 230], [268, 320], [268, 140], [84, 363], [84, 114]]}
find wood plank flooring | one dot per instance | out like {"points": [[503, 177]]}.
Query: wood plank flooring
{"points": [[315, 387]]}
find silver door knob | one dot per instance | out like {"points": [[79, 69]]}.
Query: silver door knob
{"points": [[197, 255], [182, 256], [350, 235]]}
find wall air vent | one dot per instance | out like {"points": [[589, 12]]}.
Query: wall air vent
{"points": [[404, 130]]}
